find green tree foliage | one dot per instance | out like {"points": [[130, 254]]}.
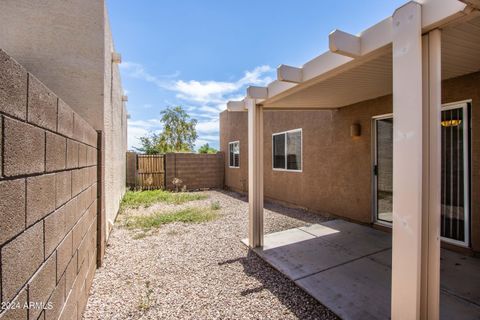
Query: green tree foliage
{"points": [[178, 135], [207, 149]]}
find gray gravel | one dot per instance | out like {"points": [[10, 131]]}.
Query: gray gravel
{"points": [[200, 271]]}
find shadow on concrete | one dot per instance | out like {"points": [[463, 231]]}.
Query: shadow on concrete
{"points": [[300, 303]]}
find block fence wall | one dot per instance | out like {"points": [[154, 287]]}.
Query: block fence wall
{"points": [[197, 171], [48, 200]]}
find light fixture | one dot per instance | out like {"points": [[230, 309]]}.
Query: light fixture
{"points": [[355, 130], [124, 98], [451, 123]]}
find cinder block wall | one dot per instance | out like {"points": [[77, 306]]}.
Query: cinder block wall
{"points": [[68, 45], [48, 205], [197, 171]]}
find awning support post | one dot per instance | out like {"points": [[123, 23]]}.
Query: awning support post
{"points": [[416, 167], [255, 173]]}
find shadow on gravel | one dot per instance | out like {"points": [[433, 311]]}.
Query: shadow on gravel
{"points": [[304, 215], [301, 304]]}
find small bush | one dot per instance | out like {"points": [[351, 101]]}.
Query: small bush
{"points": [[215, 205], [156, 220], [136, 199]]}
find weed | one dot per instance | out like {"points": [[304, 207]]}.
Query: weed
{"points": [[136, 199], [156, 220], [146, 301], [215, 205]]}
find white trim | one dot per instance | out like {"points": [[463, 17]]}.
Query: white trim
{"points": [[230, 143], [285, 152]]}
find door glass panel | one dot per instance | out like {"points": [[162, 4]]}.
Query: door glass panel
{"points": [[384, 169], [454, 214]]}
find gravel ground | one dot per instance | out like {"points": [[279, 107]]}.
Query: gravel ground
{"points": [[200, 271]]}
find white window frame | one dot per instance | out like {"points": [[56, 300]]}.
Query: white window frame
{"points": [[234, 167], [285, 152]]}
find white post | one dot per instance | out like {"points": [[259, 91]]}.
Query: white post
{"points": [[255, 173], [416, 167], [407, 162], [432, 105]]}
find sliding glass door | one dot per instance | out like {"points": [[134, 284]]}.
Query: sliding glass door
{"points": [[383, 168], [455, 174]]}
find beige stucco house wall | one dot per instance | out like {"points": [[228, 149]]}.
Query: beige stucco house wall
{"points": [[337, 170], [68, 45]]}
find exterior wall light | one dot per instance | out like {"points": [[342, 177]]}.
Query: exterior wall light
{"points": [[451, 123], [355, 130], [116, 57], [124, 98]]}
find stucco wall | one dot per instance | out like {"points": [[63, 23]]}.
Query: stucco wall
{"points": [[115, 130], [336, 168], [61, 43], [336, 176], [68, 45]]}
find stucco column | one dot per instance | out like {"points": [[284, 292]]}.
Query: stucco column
{"points": [[416, 168], [255, 173]]}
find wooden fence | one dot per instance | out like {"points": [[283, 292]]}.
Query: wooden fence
{"points": [[147, 172]]}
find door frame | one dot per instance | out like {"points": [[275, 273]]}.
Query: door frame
{"points": [[373, 164], [465, 105]]}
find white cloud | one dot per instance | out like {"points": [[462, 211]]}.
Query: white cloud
{"points": [[218, 92], [207, 127], [134, 133], [205, 99]]}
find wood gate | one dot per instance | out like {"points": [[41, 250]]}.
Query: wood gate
{"points": [[150, 172]]}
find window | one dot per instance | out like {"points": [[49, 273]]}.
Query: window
{"points": [[234, 154], [287, 150]]}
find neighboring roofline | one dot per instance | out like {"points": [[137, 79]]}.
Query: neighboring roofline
{"points": [[347, 51]]}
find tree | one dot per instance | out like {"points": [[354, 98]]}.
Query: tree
{"points": [[207, 149], [178, 135]]}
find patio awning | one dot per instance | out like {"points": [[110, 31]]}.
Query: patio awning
{"points": [[359, 68]]}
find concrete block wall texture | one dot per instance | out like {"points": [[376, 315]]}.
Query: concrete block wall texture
{"points": [[197, 171], [68, 45], [115, 130], [337, 170], [48, 200]]}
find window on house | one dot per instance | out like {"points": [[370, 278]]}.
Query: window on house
{"points": [[287, 150], [234, 154]]}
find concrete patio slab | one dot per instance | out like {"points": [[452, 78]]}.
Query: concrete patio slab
{"points": [[347, 267], [454, 267], [356, 290]]}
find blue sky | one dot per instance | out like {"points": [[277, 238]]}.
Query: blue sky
{"points": [[200, 54]]}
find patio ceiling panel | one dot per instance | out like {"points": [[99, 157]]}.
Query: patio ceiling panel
{"points": [[370, 76], [360, 81], [461, 49]]}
